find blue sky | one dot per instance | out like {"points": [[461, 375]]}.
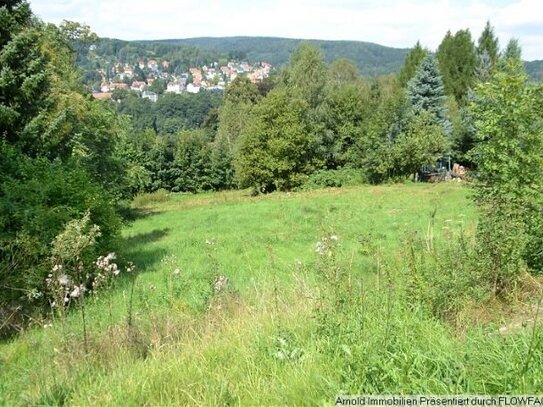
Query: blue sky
{"points": [[397, 23]]}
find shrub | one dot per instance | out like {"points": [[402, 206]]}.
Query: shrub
{"points": [[509, 171], [334, 178], [37, 199]]}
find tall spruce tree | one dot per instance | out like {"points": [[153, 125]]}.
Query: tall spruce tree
{"points": [[487, 52], [24, 81], [512, 51], [426, 90], [427, 97], [411, 63], [457, 62]]}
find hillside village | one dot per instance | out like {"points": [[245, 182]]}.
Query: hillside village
{"points": [[140, 77]]}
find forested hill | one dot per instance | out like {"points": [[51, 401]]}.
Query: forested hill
{"points": [[535, 69], [371, 59]]}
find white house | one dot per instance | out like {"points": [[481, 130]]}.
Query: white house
{"points": [[152, 96], [138, 86], [191, 88], [175, 87]]}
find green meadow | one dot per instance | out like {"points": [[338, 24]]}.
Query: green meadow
{"points": [[285, 299]]}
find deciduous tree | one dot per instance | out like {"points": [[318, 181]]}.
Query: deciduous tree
{"points": [[508, 121], [276, 149]]}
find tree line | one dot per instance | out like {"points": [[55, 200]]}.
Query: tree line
{"points": [[313, 117]]}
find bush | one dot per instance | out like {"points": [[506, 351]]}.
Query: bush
{"points": [[37, 199], [509, 171], [334, 178]]}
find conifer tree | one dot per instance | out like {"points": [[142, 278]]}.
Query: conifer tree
{"points": [[512, 51], [487, 52], [411, 63], [457, 62], [24, 82], [426, 94], [14, 16], [426, 90]]}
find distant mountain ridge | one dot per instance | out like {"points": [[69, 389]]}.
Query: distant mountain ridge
{"points": [[535, 69], [371, 59]]}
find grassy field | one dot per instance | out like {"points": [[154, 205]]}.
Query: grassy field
{"points": [[232, 305]]}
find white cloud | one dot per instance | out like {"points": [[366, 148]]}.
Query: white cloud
{"points": [[398, 23]]}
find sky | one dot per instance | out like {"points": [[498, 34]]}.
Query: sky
{"points": [[394, 23]]}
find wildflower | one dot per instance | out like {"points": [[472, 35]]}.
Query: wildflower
{"points": [[101, 262], [57, 267], [131, 267], [320, 248], [106, 264], [113, 269], [176, 271], [209, 242], [64, 280], [75, 292], [220, 283], [326, 245], [34, 294]]}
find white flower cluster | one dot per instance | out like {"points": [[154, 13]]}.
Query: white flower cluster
{"points": [[63, 284], [325, 246], [131, 267], [105, 263], [107, 269], [71, 283]]}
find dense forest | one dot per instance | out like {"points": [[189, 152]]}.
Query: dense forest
{"points": [[66, 156]]}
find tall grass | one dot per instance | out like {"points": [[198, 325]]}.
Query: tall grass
{"points": [[288, 299]]}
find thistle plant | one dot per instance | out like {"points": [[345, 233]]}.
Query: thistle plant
{"points": [[326, 249], [67, 281], [70, 279]]}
